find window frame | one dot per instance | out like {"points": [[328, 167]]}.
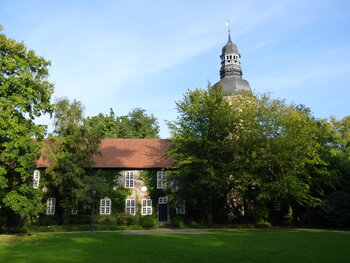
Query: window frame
{"points": [[162, 200], [105, 206], [180, 209], [50, 206], [146, 208], [74, 211], [36, 179], [129, 182], [162, 180], [130, 206]]}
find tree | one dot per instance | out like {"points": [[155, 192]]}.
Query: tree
{"points": [[24, 95], [277, 146], [70, 149], [202, 148], [246, 147], [341, 149], [137, 124]]}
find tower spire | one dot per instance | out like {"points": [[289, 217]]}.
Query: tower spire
{"points": [[228, 24]]}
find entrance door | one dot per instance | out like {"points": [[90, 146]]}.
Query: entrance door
{"points": [[162, 209]]}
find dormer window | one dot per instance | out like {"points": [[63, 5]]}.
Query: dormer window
{"points": [[36, 179]]}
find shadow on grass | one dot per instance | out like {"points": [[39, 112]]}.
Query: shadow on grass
{"points": [[220, 246]]}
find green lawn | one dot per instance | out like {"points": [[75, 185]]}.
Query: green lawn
{"points": [[240, 246]]}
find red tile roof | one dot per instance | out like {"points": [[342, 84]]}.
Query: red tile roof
{"points": [[128, 153]]}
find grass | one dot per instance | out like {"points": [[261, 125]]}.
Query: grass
{"points": [[70, 228], [241, 246]]}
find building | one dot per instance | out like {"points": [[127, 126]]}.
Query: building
{"points": [[130, 157]]}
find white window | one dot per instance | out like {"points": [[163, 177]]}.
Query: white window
{"points": [[277, 206], [181, 209], [105, 206], [161, 180], [162, 200], [50, 206], [74, 211], [146, 207], [130, 206], [129, 179], [36, 179]]}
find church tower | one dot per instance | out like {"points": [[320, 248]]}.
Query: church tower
{"points": [[231, 72]]}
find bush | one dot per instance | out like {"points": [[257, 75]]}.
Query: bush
{"points": [[49, 220], [80, 219], [178, 222], [124, 219], [105, 220], [149, 222], [263, 224]]}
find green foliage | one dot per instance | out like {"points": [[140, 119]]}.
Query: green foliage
{"points": [[263, 224], [70, 150], [125, 219], [258, 149], [178, 221], [137, 124], [202, 148], [24, 95], [149, 221], [340, 158], [105, 220], [150, 179], [275, 146]]}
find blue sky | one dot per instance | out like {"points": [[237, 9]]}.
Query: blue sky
{"points": [[128, 54]]}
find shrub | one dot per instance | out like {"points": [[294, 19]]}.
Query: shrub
{"points": [[149, 222], [178, 222], [105, 220], [124, 219], [49, 220], [80, 219], [263, 224]]}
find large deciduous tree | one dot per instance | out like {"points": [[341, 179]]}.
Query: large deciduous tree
{"points": [[24, 95], [277, 146], [137, 125], [245, 147], [71, 148], [202, 148]]}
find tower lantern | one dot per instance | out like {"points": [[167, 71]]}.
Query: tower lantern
{"points": [[231, 72]]}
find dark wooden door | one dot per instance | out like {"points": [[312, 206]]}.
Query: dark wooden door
{"points": [[163, 212]]}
